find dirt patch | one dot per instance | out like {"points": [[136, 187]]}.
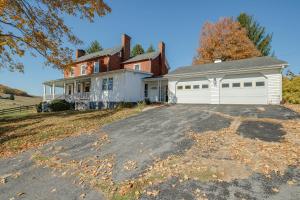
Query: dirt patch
{"points": [[266, 131]]}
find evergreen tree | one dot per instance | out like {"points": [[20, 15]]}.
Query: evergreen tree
{"points": [[137, 50], [256, 33], [150, 49], [94, 47]]}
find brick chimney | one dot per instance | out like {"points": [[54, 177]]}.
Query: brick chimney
{"points": [[161, 49], [79, 53], [126, 46]]}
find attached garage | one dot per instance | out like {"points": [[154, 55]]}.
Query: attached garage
{"points": [[193, 91], [243, 89], [248, 81]]}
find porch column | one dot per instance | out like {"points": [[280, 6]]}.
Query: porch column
{"points": [[75, 88], [44, 92], [53, 90], [64, 88]]}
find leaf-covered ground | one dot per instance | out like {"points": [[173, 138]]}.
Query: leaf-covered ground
{"points": [[222, 162], [19, 133]]}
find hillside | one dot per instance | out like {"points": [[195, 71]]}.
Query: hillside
{"points": [[8, 90], [21, 98]]}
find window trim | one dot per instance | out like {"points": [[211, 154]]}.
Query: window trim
{"points": [[104, 84], [260, 82], [137, 64], [110, 85], [232, 85], [72, 72], [196, 88], [228, 84], [96, 68], [179, 87], [205, 87], [185, 87], [251, 84], [81, 67]]}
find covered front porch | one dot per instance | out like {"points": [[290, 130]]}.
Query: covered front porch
{"points": [[156, 89], [71, 89]]}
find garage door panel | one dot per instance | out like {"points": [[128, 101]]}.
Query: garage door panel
{"points": [[193, 96], [244, 95]]}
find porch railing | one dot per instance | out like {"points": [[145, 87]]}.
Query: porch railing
{"points": [[70, 98]]}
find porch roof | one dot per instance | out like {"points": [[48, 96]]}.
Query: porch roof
{"points": [[158, 78], [62, 81]]}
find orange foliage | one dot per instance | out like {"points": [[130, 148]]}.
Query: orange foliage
{"points": [[225, 40]]}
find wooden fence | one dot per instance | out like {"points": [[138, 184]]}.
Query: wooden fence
{"points": [[17, 109]]}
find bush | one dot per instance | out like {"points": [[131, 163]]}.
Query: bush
{"points": [[39, 107], [141, 105], [60, 105], [12, 97], [291, 90]]}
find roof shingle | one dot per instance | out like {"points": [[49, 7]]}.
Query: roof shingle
{"points": [[256, 62], [104, 52], [144, 56]]}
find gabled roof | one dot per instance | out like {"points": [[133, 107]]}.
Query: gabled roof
{"points": [[104, 52], [144, 56], [243, 64]]}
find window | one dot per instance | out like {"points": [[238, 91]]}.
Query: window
{"points": [[248, 84], [137, 67], [180, 87], [187, 87], [260, 83], [104, 84], [72, 72], [146, 91], [83, 70], [96, 67], [236, 85], [205, 86], [196, 86], [110, 83], [225, 85]]}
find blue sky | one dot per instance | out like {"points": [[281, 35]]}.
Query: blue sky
{"points": [[177, 23]]}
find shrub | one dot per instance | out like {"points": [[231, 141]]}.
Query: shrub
{"points": [[60, 105], [291, 90], [12, 97], [39, 107], [141, 105]]}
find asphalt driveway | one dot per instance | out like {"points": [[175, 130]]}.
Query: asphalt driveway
{"points": [[141, 139]]}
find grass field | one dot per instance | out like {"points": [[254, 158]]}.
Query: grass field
{"points": [[19, 132], [19, 101]]}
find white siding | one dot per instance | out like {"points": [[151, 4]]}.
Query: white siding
{"points": [[274, 88], [127, 87], [270, 94]]}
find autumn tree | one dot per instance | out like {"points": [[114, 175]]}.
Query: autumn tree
{"points": [[39, 28], [225, 40], [137, 50], [150, 49], [94, 47], [256, 33]]}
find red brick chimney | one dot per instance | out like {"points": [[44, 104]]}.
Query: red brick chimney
{"points": [[161, 49], [126, 46], [79, 53]]}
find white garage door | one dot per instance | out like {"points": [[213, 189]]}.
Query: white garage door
{"points": [[193, 92], [243, 90]]}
